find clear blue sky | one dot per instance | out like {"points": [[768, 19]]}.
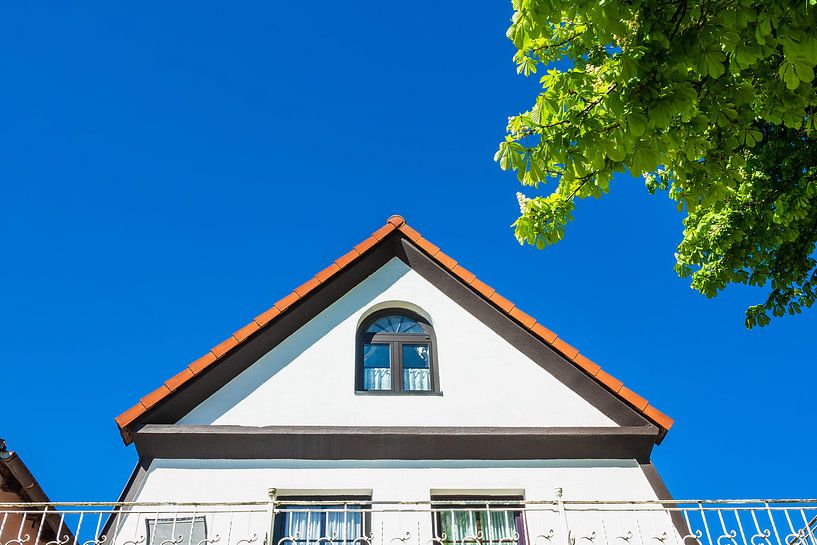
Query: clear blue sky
{"points": [[169, 171]]}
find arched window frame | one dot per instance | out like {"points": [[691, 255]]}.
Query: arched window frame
{"points": [[395, 340]]}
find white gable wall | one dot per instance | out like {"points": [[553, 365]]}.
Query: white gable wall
{"points": [[309, 379]]}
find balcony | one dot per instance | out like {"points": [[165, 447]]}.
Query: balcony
{"points": [[439, 522]]}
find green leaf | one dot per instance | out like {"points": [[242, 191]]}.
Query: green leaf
{"points": [[645, 158], [713, 61], [803, 70], [789, 75], [613, 151], [637, 123], [751, 137], [810, 49]]}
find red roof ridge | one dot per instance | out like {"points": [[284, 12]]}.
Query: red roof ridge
{"points": [[395, 222]]}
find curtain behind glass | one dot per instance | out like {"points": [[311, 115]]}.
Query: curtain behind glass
{"points": [[377, 378], [416, 379], [376, 366], [307, 525], [495, 526], [498, 525], [457, 525], [416, 367]]}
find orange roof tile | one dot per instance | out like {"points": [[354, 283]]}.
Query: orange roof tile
{"points": [[307, 286], [202, 363], [464, 274], [543, 333], [588, 365], [569, 351], [174, 382], [266, 317], [395, 222], [523, 318], [501, 302]]}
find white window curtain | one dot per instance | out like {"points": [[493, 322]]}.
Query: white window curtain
{"points": [[377, 378], [496, 526], [417, 379], [303, 526]]}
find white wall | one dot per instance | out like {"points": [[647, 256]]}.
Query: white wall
{"points": [[309, 378], [407, 480], [203, 481]]}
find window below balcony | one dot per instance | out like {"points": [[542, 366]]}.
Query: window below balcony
{"points": [[176, 531], [319, 519], [497, 521]]}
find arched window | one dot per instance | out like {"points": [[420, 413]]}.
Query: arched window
{"points": [[396, 353]]}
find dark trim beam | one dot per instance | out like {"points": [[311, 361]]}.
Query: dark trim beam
{"points": [[663, 493], [128, 494], [394, 443]]}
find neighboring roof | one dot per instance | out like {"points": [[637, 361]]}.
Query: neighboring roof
{"points": [[394, 223], [14, 471]]}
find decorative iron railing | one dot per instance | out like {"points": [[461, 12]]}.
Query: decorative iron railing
{"points": [[438, 522]]}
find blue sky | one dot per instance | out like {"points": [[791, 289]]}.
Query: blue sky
{"points": [[169, 172]]}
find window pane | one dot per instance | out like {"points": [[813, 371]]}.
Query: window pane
{"points": [[497, 527], [457, 525], [376, 366], [416, 368], [395, 324], [300, 524], [181, 531]]}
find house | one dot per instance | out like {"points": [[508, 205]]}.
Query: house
{"points": [[392, 375], [393, 352], [20, 522], [396, 399]]}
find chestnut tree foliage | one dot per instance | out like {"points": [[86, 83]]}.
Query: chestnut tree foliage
{"points": [[711, 101]]}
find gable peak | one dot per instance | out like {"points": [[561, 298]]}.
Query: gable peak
{"points": [[395, 223]]}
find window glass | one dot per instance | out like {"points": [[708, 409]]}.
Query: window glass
{"points": [[502, 526], [416, 367], [395, 324], [376, 366], [396, 354], [179, 531], [307, 524]]}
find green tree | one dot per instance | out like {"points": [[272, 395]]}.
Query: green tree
{"points": [[711, 101]]}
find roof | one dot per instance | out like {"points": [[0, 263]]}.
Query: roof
{"points": [[13, 471], [394, 224], [17, 471]]}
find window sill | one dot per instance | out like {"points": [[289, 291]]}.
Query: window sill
{"points": [[393, 393]]}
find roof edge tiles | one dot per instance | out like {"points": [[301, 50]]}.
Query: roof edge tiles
{"points": [[394, 223]]}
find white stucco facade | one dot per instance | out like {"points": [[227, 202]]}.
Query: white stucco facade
{"points": [[309, 379], [406, 480], [385, 481]]}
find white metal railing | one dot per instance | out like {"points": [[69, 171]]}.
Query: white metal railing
{"points": [[437, 522]]}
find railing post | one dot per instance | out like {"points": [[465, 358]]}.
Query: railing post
{"points": [[560, 505], [273, 495]]}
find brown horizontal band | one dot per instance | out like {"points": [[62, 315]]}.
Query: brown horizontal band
{"points": [[398, 443]]}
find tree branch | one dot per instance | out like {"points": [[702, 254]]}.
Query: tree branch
{"points": [[560, 44]]}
